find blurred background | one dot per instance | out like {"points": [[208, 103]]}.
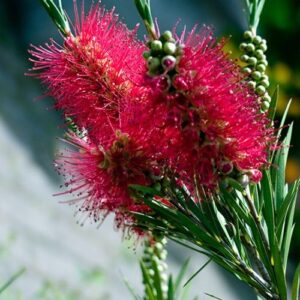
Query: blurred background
{"points": [[63, 259]]}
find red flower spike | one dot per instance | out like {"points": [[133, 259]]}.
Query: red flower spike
{"points": [[99, 175], [208, 116], [94, 72]]}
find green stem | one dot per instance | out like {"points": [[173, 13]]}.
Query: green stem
{"points": [[144, 9], [57, 15]]}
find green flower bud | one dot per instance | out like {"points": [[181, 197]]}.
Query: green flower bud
{"points": [[261, 68], [167, 35], [264, 77], [265, 83], [263, 41], [156, 46], [257, 40], [146, 54], [252, 61], [256, 75], [244, 58], [246, 70], [260, 90], [159, 246], [263, 47], [248, 35], [259, 54], [243, 46], [266, 98], [263, 61], [265, 105], [250, 47], [252, 84], [153, 63], [169, 48]]}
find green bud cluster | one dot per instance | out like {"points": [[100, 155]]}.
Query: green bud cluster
{"points": [[154, 257], [254, 49], [163, 54]]}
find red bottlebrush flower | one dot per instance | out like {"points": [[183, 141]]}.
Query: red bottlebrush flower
{"points": [[201, 115], [94, 72], [99, 175]]}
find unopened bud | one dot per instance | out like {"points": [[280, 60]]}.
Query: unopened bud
{"points": [[252, 84], [146, 54], [153, 63], [226, 167], [156, 46], [267, 98], [246, 70], [259, 54], [169, 48], [250, 47], [244, 58], [261, 68], [168, 62], [248, 34], [243, 46], [265, 83], [260, 90], [263, 47], [167, 35], [265, 105], [252, 61], [257, 40], [256, 75]]}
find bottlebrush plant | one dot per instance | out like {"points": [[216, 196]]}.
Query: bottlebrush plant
{"points": [[176, 140]]}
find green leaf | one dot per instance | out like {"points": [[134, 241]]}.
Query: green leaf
{"points": [[268, 208], [58, 15], [171, 289], [280, 163], [212, 296], [11, 280], [273, 104], [296, 284], [181, 274], [144, 190], [140, 5], [279, 271], [288, 232], [283, 211], [197, 272]]}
